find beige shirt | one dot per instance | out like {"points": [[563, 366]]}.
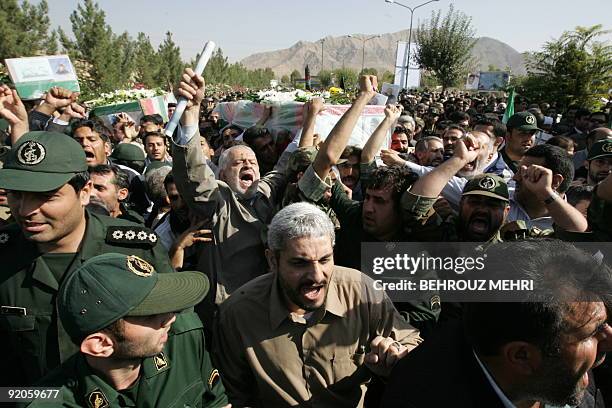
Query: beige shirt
{"points": [[237, 254], [269, 357]]}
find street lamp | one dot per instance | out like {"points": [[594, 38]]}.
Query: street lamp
{"points": [[363, 41], [410, 32], [322, 42]]}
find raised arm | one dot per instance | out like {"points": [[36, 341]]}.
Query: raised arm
{"points": [[195, 180], [13, 110], [431, 184], [539, 180], [335, 143], [311, 109], [372, 146]]}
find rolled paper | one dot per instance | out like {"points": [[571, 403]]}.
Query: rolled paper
{"points": [[209, 47]]}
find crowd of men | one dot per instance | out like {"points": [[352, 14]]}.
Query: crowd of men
{"points": [[222, 266]]}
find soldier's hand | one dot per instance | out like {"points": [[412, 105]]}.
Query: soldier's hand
{"points": [[368, 85], [191, 88], [537, 179], [391, 158], [384, 353]]}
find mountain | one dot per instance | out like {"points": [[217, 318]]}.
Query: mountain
{"points": [[379, 54]]}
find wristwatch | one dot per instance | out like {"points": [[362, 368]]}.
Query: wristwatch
{"points": [[551, 198]]}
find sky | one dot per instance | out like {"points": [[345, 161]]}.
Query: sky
{"points": [[242, 27]]}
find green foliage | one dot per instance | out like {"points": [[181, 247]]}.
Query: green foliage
{"points": [[285, 80], [348, 76], [369, 71], [24, 30], [171, 65], [325, 78], [295, 75], [445, 45], [220, 71], [107, 57], [575, 69], [387, 76], [145, 62]]}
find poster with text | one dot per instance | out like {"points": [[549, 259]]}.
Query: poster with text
{"points": [[33, 76]]}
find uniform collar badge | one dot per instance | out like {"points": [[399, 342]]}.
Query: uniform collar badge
{"points": [[160, 361], [97, 399]]}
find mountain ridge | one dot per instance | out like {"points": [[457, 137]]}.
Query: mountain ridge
{"points": [[379, 53]]}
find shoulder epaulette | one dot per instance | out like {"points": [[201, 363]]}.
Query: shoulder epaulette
{"points": [[119, 234]]}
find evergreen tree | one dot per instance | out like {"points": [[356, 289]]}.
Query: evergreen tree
{"points": [[24, 29], [170, 63], [145, 62]]}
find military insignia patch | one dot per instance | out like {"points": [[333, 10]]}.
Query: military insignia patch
{"points": [[607, 147], [160, 361], [213, 378], [487, 183], [530, 119], [4, 237], [31, 153], [434, 302], [133, 235], [96, 399], [139, 266]]}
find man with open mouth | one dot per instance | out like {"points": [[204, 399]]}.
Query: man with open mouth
{"points": [[309, 330]]}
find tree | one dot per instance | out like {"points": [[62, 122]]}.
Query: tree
{"points": [[285, 80], [387, 76], [295, 75], [146, 64], [347, 76], [103, 58], [325, 78], [445, 45], [216, 71], [575, 69], [170, 63], [24, 30]]}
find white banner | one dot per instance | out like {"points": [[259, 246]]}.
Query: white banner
{"points": [[401, 61]]}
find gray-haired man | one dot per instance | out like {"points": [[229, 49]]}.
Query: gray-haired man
{"points": [[315, 331]]}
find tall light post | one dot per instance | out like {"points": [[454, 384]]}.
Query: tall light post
{"points": [[410, 32], [363, 42], [322, 42]]}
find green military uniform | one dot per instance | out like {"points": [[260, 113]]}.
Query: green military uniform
{"points": [[130, 215], [109, 287], [420, 214], [32, 342], [524, 121]]}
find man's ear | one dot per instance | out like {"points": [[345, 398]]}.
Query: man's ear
{"points": [[107, 148], [98, 345], [272, 261], [123, 193], [85, 193], [557, 179], [521, 358]]}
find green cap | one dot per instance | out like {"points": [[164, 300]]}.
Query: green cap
{"points": [[42, 161], [127, 152], [602, 148], [110, 286], [490, 185], [523, 121], [301, 158]]}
